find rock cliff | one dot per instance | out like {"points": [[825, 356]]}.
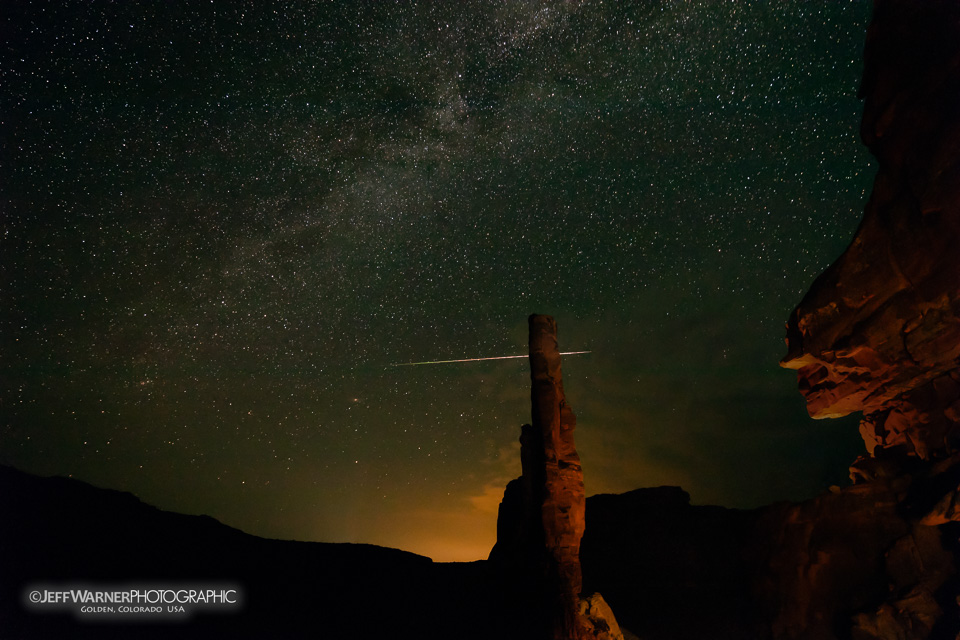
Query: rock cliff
{"points": [[846, 564], [879, 333]]}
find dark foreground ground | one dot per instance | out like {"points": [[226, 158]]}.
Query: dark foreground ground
{"points": [[669, 570], [56, 531]]}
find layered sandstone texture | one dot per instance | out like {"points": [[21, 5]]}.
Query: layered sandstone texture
{"points": [[845, 565], [563, 507], [879, 331], [542, 517]]}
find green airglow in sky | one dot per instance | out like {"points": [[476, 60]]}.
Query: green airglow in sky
{"points": [[225, 221]]}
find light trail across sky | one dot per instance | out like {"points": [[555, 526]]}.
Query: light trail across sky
{"points": [[413, 364]]}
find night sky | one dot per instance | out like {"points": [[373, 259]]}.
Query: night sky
{"points": [[223, 222]]}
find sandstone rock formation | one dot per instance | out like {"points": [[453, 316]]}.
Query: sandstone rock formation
{"points": [[562, 507], [879, 331], [600, 623], [846, 564], [833, 565], [542, 517]]}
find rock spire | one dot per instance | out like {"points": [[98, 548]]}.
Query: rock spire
{"points": [[542, 516]]}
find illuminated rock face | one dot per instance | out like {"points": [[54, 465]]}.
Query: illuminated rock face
{"points": [[879, 331], [542, 516], [843, 565], [563, 505]]}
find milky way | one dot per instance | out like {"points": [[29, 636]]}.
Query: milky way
{"points": [[222, 222]]}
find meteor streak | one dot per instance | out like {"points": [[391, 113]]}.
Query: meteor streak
{"points": [[413, 364]]}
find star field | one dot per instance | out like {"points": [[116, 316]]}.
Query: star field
{"points": [[222, 222]]}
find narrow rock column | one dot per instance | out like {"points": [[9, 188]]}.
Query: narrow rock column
{"points": [[564, 502]]}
